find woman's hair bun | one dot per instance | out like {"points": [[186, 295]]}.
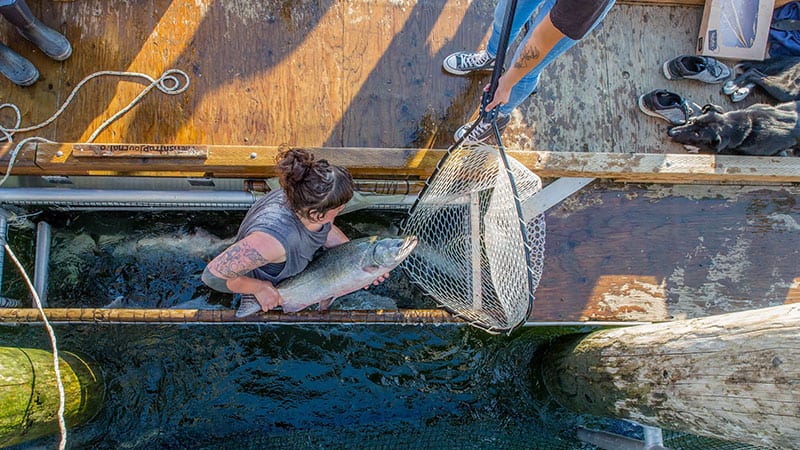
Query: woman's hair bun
{"points": [[293, 165]]}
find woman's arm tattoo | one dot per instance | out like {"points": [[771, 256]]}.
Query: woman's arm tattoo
{"points": [[238, 260], [528, 58]]}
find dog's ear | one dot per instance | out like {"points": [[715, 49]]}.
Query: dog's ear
{"points": [[713, 108]]}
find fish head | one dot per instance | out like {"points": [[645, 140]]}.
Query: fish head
{"points": [[388, 253]]}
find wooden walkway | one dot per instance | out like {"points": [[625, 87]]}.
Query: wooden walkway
{"points": [[361, 76], [342, 74]]}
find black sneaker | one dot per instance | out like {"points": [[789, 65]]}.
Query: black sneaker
{"points": [[462, 63], [701, 68], [483, 130], [666, 105]]}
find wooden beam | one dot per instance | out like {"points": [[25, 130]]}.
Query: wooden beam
{"points": [[225, 161], [226, 316]]}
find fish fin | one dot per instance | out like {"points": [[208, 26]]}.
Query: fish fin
{"points": [[325, 304], [248, 306]]}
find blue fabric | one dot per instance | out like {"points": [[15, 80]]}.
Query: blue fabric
{"points": [[785, 43], [7, 2], [525, 11]]}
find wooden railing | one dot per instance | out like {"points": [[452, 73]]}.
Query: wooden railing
{"points": [[225, 161]]}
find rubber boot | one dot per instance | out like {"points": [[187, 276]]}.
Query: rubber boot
{"points": [[50, 41], [16, 68]]}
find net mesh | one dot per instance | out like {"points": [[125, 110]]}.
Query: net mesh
{"points": [[473, 256]]}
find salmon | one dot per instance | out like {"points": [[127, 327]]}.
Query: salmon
{"points": [[338, 271]]}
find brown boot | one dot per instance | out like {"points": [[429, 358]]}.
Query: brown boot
{"points": [[16, 68], [50, 41]]}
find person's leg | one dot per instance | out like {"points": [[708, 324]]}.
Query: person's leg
{"points": [[50, 41], [527, 85], [523, 13], [16, 68], [463, 63]]}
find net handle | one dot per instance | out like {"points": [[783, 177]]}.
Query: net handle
{"points": [[491, 116], [487, 97], [497, 72]]}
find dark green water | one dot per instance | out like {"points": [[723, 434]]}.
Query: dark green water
{"points": [[282, 386], [310, 387]]}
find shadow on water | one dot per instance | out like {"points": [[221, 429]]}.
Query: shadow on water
{"points": [[314, 386]]}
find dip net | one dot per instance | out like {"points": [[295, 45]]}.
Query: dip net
{"points": [[477, 255]]}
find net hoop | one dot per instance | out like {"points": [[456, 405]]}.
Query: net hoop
{"points": [[477, 256]]}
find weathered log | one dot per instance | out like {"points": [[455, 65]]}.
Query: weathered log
{"points": [[29, 397], [732, 376]]}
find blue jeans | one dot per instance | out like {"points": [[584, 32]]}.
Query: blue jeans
{"points": [[525, 13]]}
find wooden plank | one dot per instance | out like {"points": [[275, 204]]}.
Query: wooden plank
{"points": [[551, 195], [259, 162], [341, 74], [652, 252]]}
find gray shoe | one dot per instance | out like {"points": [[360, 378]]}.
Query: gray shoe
{"points": [[248, 306], [50, 42], [462, 63], [737, 93], [483, 130], [666, 105], [701, 68], [16, 68]]}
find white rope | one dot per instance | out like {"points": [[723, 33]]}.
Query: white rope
{"points": [[169, 83], [37, 301], [15, 152]]}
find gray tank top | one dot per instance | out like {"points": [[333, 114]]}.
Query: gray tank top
{"points": [[272, 215]]}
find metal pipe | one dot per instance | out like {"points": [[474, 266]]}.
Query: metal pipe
{"points": [[40, 272], [653, 437], [119, 199], [3, 239], [105, 198]]}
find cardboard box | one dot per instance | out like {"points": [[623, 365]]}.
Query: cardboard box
{"points": [[736, 29]]}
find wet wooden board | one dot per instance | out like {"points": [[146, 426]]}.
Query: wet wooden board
{"points": [[655, 252], [341, 74]]}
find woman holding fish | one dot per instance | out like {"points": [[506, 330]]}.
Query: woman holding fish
{"points": [[282, 231]]}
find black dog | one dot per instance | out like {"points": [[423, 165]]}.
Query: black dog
{"points": [[779, 76], [759, 130]]}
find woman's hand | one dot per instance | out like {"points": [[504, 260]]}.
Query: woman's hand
{"points": [[378, 281], [501, 94], [268, 296]]}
